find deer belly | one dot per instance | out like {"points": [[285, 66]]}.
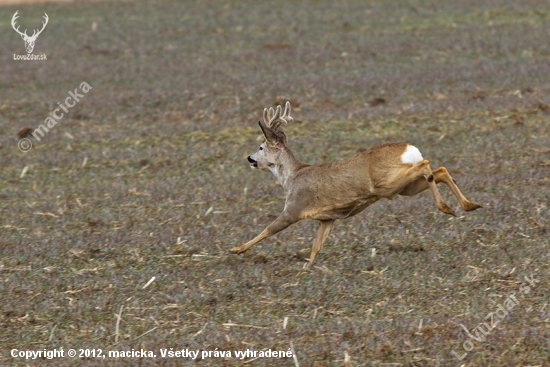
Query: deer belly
{"points": [[341, 212]]}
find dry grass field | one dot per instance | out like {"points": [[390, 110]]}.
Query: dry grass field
{"points": [[147, 177]]}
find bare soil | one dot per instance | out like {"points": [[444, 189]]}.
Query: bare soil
{"points": [[147, 177]]}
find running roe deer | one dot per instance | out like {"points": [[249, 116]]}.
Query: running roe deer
{"points": [[341, 189]]}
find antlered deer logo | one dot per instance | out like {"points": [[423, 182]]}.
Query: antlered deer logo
{"points": [[29, 40]]}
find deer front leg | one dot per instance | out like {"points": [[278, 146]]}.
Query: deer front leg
{"points": [[322, 233], [283, 221]]}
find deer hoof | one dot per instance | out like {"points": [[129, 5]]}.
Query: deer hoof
{"points": [[237, 250], [447, 210], [469, 206]]}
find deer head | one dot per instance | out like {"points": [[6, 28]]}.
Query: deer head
{"points": [[29, 40], [275, 138]]}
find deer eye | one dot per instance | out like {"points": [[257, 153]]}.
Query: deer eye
{"points": [[261, 148]]}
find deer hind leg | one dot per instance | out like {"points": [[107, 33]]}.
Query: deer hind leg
{"points": [[322, 233], [423, 178], [446, 178], [283, 221], [440, 175]]}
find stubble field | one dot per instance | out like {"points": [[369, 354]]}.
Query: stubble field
{"points": [[147, 177]]}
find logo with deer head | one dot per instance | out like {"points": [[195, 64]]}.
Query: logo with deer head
{"points": [[29, 40]]}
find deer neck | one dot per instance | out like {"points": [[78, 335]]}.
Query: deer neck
{"points": [[286, 167]]}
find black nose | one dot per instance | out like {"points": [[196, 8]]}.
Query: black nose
{"points": [[252, 162]]}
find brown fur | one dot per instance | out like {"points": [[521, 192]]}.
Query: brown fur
{"points": [[344, 188]]}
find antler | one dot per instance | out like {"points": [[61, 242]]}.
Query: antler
{"points": [[273, 118], [13, 21], [271, 126], [43, 26], [34, 34]]}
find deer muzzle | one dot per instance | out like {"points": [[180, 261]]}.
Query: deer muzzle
{"points": [[252, 162]]}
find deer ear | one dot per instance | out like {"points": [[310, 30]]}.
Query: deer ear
{"points": [[270, 136]]}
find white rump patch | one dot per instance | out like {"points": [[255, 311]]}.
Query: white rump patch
{"points": [[411, 155]]}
